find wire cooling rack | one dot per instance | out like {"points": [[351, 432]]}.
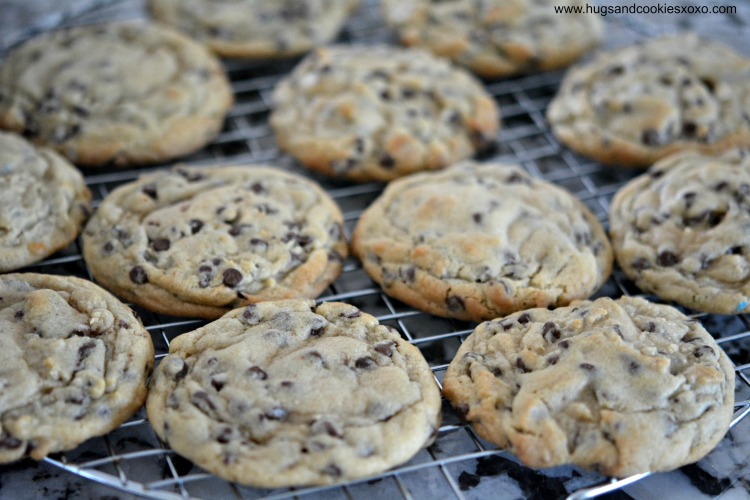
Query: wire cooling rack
{"points": [[458, 464]]}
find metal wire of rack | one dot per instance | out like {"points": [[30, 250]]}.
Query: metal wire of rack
{"points": [[459, 463]]}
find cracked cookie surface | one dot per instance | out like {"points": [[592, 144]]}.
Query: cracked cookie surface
{"points": [[682, 231], [43, 206], [73, 364], [122, 93], [496, 38], [256, 28], [635, 105], [620, 387], [198, 242], [285, 393], [477, 241], [375, 113]]}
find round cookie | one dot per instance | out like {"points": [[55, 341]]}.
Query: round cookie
{"points": [[73, 364], [285, 394], [478, 241], [121, 93], [256, 28], [682, 231], [620, 387], [200, 241], [497, 38], [376, 113], [635, 105], [43, 205]]}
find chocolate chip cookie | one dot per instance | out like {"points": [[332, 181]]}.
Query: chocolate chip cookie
{"points": [[285, 394], [620, 387], [682, 231], [633, 106], [478, 241], [256, 28], [200, 241], [376, 113], [121, 93], [73, 364], [43, 203], [497, 38]]}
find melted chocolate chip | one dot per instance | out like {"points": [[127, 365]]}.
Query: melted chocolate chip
{"points": [[182, 373], [217, 384], [552, 360], [650, 137], [640, 264], [667, 259], [587, 366], [250, 314], [703, 351], [365, 363], [10, 443], [387, 161], [195, 225], [455, 303], [138, 275], [524, 318], [385, 348], [160, 244], [231, 277], [202, 400], [150, 190], [225, 435], [550, 331], [257, 373], [521, 365], [352, 315]]}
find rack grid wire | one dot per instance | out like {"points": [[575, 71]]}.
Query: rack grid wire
{"points": [[459, 463]]}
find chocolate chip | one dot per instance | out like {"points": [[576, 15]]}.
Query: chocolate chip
{"points": [[407, 274], [150, 190], [552, 360], [138, 275], [634, 367], [702, 351], [203, 401], [123, 324], [462, 412], [387, 161], [10, 443], [564, 344], [160, 244], [257, 373], [225, 435], [331, 470], [550, 331], [182, 373], [18, 315], [108, 247], [286, 384], [250, 314], [317, 332], [735, 250], [189, 175], [709, 84], [277, 413], [477, 217], [667, 258], [651, 327], [385, 348], [689, 129], [521, 365], [331, 430], [365, 362], [524, 318], [257, 188], [586, 366], [640, 264], [352, 314], [650, 137], [195, 225], [455, 303], [408, 93], [689, 199], [217, 384], [231, 277], [616, 70]]}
